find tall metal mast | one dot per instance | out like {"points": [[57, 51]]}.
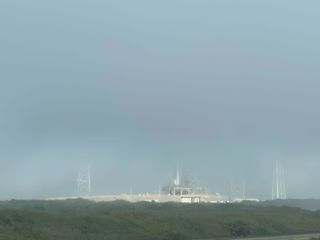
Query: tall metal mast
{"points": [[84, 182], [279, 190]]}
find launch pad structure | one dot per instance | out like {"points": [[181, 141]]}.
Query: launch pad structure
{"points": [[181, 189]]}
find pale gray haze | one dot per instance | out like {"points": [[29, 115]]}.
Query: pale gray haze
{"points": [[224, 88]]}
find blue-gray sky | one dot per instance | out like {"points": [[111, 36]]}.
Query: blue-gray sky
{"points": [[225, 88]]}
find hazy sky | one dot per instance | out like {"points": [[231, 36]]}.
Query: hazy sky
{"points": [[130, 88]]}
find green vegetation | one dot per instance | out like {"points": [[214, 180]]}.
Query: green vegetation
{"points": [[80, 219], [308, 204]]}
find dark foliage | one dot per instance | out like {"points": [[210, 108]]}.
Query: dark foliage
{"points": [[80, 219], [239, 229]]}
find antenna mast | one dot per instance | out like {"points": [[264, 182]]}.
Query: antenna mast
{"points": [[279, 190], [84, 182]]}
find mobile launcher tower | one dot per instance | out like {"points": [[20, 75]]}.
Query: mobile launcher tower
{"points": [[188, 190]]}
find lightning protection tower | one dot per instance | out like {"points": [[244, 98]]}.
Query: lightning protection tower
{"points": [[84, 182], [176, 181], [279, 190]]}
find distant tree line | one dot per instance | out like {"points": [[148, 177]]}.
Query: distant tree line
{"points": [[80, 219]]}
